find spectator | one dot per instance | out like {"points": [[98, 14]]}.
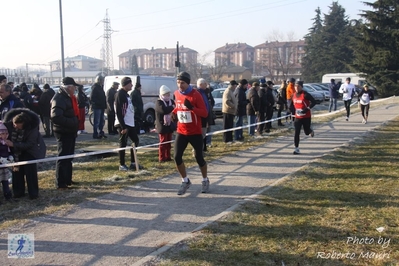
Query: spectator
{"points": [[281, 101], [3, 80], [98, 104], [138, 106], [348, 91], [290, 92], [35, 93], [23, 127], [262, 108], [164, 124], [111, 108], [269, 105], [25, 96], [8, 100], [211, 117], [229, 110], [364, 98], [253, 107], [205, 121], [241, 108], [45, 109], [5, 157], [302, 102], [64, 114], [190, 108], [333, 89], [82, 104], [125, 123]]}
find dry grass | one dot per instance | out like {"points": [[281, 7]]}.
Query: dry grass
{"points": [[98, 175], [326, 214]]}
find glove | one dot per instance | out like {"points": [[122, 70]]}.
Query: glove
{"points": [[188, 104], [303, 111]]}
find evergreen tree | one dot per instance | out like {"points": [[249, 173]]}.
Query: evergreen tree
{"points": [[376, 46], [135, 66], [328, 49], [312, 40]]}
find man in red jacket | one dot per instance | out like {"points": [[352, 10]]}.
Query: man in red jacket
{"points": [[190, 108]]}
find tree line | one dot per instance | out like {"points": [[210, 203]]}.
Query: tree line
{"points": [[369, 45]]}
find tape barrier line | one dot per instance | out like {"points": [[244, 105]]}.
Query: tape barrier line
{"points": [[72, 156]]}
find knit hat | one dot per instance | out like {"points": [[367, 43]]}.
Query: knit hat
{"points": [[184, 76], [3, 128], [299, 82], [125, 81], [243, 82], [164, 90]]}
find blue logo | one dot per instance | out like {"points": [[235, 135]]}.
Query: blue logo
{"points": [[21, 246]]}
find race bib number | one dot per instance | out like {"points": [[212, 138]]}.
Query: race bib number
{"points": [[184, 117]]}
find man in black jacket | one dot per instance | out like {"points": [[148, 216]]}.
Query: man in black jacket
{"points": [[269, 105], [64, 114], [45, 107], [98, 104], [111, 108], [241, 109]]}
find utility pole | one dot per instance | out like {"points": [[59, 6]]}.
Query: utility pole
{"points": [[62, 45], [177, 62], [107, 56]]}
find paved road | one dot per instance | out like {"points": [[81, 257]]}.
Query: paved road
{"points": [[130, 226]]}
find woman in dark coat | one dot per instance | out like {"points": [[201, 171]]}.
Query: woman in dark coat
{"points": [[23, 128]]}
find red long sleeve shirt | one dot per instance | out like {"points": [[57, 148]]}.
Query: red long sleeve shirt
{"points": [[190, 120]]}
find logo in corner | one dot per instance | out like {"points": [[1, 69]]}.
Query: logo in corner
{"points": [[21, 246]]}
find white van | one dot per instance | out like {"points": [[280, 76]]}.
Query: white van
{"points": [[149, 90], [355, 78]]}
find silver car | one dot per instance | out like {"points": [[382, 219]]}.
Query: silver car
{"points": [[218, 97], [318, 96]]}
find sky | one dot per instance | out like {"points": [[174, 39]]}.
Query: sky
{"points": [[31, 29]]}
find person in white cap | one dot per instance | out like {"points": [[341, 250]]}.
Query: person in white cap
{"points": [[164, 124]]}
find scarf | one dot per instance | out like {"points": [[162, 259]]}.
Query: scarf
{"points": [[205, 97], [75, 105], [167, 118], [189, 89]]}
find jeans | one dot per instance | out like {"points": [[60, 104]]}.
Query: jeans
{"points": [[333, 102], [238, 132], [98, 123], [251, 120]]}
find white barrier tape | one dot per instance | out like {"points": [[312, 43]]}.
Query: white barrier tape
{"points": [[49, 159]]}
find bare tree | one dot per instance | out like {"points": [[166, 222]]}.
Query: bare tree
{"points": [[279, 51]]}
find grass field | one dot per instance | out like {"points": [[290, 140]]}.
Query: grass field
{"points": [[339, 210]]}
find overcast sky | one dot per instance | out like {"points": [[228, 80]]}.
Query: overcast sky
{"points": [[31, 28]]}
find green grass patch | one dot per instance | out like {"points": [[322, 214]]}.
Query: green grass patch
{"points": [[325, 214]]}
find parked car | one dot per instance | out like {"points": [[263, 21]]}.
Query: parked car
{"points": [[321, 89], [218, 97], [318, 96]]}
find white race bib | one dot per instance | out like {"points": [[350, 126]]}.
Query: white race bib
{"points": [[184, 117]]}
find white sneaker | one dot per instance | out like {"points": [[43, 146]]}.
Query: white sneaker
{"points": [[296, 151], [347, 118], [83, 132], [79, 132]]}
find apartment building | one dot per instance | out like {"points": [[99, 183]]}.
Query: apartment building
{"points": [[78, 63], [279, 60], [234, 54], [159, 60]]}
